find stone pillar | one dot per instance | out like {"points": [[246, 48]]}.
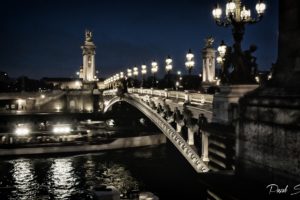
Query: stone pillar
{"points": [[166, 93], [205, 147], [186, 96], [287, 68], [88, 52], [222, 102], [268, 132], [208, 56]]}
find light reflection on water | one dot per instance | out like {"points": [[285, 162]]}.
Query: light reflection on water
{"points": [[70, 177], [63, 178], [24, 179]]}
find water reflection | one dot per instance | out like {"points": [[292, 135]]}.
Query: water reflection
{"points": [[24, 179], [63, 178]]}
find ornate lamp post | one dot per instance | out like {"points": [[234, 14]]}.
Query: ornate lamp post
{"points": [[169, 67], [190, 63], [154, 69], [221, 59], [144, 72], [121, 75], [135, 74], [237, 15], [178, 82], [129, 75]]}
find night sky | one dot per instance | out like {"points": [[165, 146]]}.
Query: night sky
{"points": [[42, 38]]}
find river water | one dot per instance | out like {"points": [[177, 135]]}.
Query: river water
{"points": [[160, 170]]}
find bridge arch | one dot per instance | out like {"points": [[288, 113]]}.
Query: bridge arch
{"points": [[190, 155]]}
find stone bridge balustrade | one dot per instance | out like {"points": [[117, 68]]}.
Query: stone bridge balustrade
{"points": [[198, 103]]}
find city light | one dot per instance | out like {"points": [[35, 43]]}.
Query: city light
{"points": [[77, 83], [222, 49], [237, 16], [135, 71], [22, 130], [129, 72], [144, 69], [190, 63], [43, 96], [61, 129], [121, 75], [57, 108], [169, 64], [154, 67]]}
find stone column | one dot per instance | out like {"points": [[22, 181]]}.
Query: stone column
{"points": [[287, 68], [268, 132], [205, 147], [166, 93], [186, 96], [208, 56]]}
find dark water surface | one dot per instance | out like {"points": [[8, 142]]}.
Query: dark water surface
{"points": [[160, 169]]}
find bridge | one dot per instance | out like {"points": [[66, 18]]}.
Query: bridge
{"points": [[139, 98]]}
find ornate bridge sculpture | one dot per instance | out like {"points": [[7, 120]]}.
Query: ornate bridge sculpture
{"points": [[190, 155]]}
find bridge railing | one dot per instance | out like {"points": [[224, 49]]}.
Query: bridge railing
{"points": [[186, 96], [111, 92]]}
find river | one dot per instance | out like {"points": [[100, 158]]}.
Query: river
{"points": [[159, 169]]}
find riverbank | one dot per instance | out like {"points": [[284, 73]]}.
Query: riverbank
{"points": [[118, 143]]}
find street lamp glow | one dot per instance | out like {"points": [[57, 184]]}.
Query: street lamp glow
{"points": [[121, 75], [230, 8], [43, 96], [22, 130], [236, 12], [129, 72], [190, 63], [61, 129], [144, 69], [222, 49], [154, 67], [245, 14], [217, 12], [219, 59], [179, 73], [135, 71], [77, 83], [260, 7], [169, 64]]}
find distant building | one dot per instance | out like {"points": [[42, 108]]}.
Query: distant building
{"points": [[64, 83]]}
